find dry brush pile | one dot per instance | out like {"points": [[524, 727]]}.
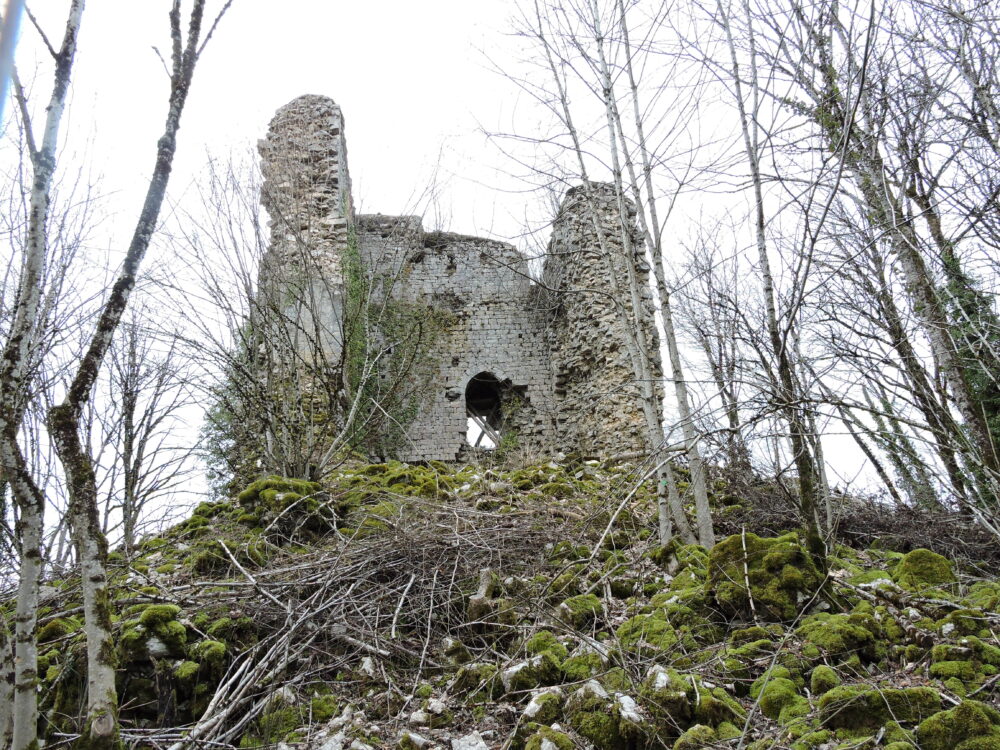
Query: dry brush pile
{"points": [[412, 607]]}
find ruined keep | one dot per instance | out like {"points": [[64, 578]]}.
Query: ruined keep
{"points": [[476, 342]]}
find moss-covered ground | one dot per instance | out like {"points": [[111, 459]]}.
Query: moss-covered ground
{"points": [[404, 606]]}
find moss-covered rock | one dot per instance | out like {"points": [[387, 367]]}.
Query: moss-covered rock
{"points": [[669, 696], [57, 628], [823, 679], [592, 714], [867, 706], [714, 706], [969, 726], [582, 610], [921, 569], [695, 738], [538, 671], [545, 706], [544, 640], [547, 738], [583, 664], [477, 682], [841, 636], [781, 574], [158, 614], [647, 633], [964, 664], [455, 652], [779, 699]]}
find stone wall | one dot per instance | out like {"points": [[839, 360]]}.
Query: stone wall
{"points": [[588, 290], [482, 294], [307, 194], [444, 308]]}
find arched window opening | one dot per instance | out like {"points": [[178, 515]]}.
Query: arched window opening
{"points": [[483, 408]]}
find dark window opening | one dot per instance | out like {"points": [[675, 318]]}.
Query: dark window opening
{"points": [[483, 399]]}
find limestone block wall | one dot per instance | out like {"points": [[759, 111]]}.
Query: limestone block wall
{"points": [[557, 350], [593, 379], [307, 194], [483, 290], [307, 186]]}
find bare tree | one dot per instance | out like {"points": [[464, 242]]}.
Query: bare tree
{"points": [[18, 368], [138, 431], [293, 383], [65, 419], [589, 47]]}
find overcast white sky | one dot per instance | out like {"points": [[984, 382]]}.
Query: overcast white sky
{"points": [[416, 82], [411, 78]]}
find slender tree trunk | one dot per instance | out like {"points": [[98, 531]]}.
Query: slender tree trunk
{"points": [[26, 622], [651, 232], [6, 685], [636, 343], [788, 393], [65, 418], [20, 357]]}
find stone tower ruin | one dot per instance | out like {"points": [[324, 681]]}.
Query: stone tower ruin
{"points": [[475, 344]]}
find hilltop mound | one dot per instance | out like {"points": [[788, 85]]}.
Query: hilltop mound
{"points": [[435, 606]]}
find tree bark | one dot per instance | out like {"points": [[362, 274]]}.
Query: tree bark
{"points": [[17, 369], [65, 418]]}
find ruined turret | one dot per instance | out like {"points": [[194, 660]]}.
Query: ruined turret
{"points": [[468, 350], [587, 278]]}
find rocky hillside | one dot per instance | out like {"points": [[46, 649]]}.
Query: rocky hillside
{"points": [[465, 607]]}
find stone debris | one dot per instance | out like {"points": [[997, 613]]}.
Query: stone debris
{"points": [[471, 741]]}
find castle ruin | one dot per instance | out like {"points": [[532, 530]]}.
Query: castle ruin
{"points": [[492, 354]]}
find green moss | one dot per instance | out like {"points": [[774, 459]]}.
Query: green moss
{"points": [[895, 733], [715, 706], [962, 622], [754, 634], [779, 699], [695, 738], [186, 671], [477, 682], [424, 690], [456, 652], [322, 708], [277, 492], [840, 636], [962, 670], [781, 574], [669, 695], [814, 739], [984, 595], [581, 611], [546, 707], [538, 671], [823, 679], [57, 628], [645, 633], [557, 489], [600, 728], [565, 584], [210, 652], [582, 666], [866, 706], [969, 726], [544, 640], [232, 629], [728, 731], [548, 735], [922, 569], [158, 614]]}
